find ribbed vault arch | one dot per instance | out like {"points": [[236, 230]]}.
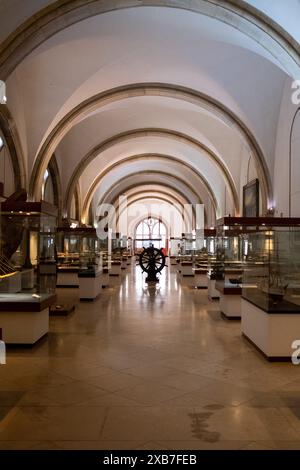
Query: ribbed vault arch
{"points": [[64, 13], [139, 199], [180, 209], [95, 102], [141, 190], [90, 193], [137, 133], [107, 198], [163, 195]]}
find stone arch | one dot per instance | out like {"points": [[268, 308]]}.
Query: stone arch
{"points": [[90, 193], [93, 153], [166, 185], [64, 13], [106, 195], [13, 143], [153, 89], [163, 199]]}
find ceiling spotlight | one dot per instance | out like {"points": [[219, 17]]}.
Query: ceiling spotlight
{"points": [[1, 143]]}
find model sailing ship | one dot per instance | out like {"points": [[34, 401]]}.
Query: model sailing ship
{"points": [[6, 268]]}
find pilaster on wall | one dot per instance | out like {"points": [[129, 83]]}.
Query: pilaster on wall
{"points": [[14, 149]]}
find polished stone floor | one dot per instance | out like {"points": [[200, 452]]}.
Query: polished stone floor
{"points": [[147, 368]]}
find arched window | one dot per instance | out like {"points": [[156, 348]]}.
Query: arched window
{"points": [[150, 230]]}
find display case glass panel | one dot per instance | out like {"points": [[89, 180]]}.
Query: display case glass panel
{"points": [[176, 246], [80, 248], [27, 251], [229, 260], [271, 278]]}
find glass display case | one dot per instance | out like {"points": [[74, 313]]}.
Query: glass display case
{"points": [[79, 248], [175, 247], [27, 251], [117, 245], [27, 268], [271, 279], [188, 244], [207, 250], [229, 257], [210, 244]]}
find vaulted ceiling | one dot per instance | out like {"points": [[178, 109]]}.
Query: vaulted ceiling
{"points": [[185, 99]]}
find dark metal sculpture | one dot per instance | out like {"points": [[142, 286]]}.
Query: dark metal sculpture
{"points": [[152, 261]]}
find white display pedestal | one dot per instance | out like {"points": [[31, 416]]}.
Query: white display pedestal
{"points": [[24, 327], [89, 286], [67, 279], [272, 333], [212, 292], [115, 267], [230, 306]]}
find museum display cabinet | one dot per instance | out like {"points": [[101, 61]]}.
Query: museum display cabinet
{"points": [[118, 245], [27, 269], [188, 244], [234, 254], [271, 290], [175, 246], [78, 249], [267, 251], [202, 257], [82, 259], [193, 264], [229, 244], [214, 274]]}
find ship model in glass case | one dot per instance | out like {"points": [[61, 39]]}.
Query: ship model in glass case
{"points": [[274, 284], [6, 268]]}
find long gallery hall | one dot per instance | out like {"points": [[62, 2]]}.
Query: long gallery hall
{"points": [[149, 225]]}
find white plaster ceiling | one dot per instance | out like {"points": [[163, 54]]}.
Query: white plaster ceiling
{"points": [[154, 145], [141, 181], [141, 45], [132, 46], [151, 166]]}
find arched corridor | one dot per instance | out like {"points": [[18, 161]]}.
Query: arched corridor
{"points": [[149, 225]]}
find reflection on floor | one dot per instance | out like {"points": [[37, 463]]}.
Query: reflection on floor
{"points": [[147, 368]]}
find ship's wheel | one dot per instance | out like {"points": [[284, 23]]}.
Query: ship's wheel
{"points": [[152, 261]]}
